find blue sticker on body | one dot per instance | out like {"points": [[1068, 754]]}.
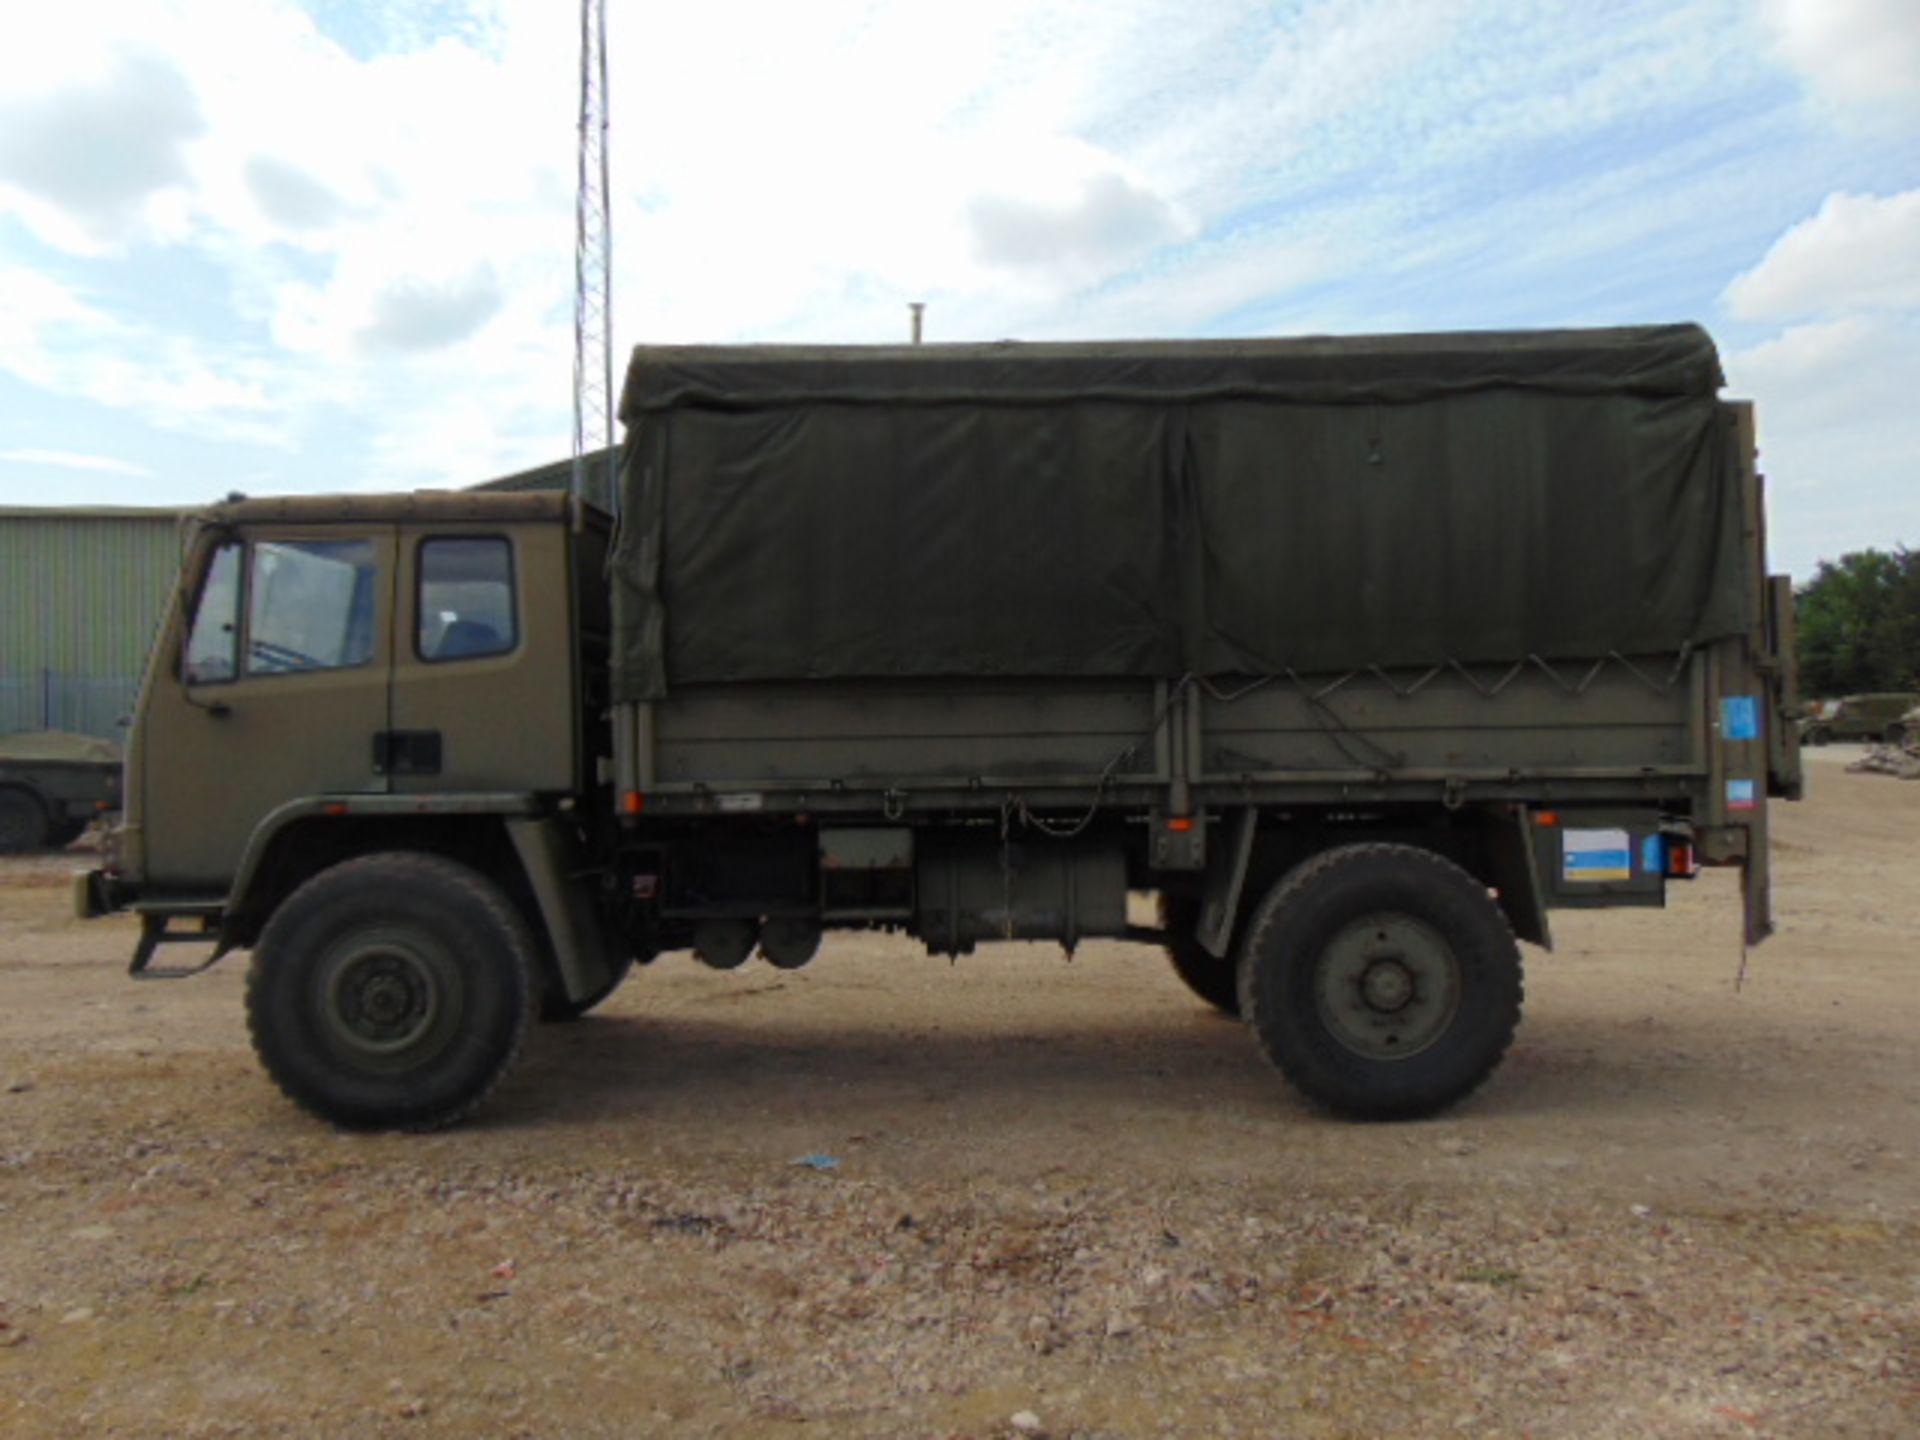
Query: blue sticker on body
{"points": [[1740, 795], [1739, 718], [1653, 855]]}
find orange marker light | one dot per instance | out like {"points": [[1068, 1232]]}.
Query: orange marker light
{"points": [[632, 803], [1181, 823], [1546, 817], [334, 807]]}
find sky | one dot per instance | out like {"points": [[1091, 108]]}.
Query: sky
{"points": [[271, 246]]}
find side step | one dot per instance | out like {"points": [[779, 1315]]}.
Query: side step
{"points": [[155, 931]]}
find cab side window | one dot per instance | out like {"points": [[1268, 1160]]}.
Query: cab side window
{"points": [[310, 606], [465, 604], [213, 645]]}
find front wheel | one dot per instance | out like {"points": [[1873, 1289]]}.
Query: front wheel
{"points": [[392, 991], [1894, 734], [1382, 980]]}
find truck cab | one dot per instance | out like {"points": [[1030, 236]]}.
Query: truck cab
{"points": [[338, 675]]}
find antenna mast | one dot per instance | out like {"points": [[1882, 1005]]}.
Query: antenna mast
{"points": [[593, 462]]}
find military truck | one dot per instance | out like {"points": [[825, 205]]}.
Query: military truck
{"points": [[52, 786], [1880, 717], [1360, 656]]}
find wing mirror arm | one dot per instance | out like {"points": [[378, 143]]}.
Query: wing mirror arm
{"points": [[219, 709]]}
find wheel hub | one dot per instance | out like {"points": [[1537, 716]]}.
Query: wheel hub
{"points": [[382, 1000], [385, 1000], [1388, 986]]}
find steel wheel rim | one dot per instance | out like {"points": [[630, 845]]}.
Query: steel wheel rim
{"points": [[1387, 986], [383, 995]]}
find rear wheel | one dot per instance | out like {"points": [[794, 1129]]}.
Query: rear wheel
{"points": [[1895, 733], [1382, 980], [1214, 980], [23, 824], [394, 990], [1819, 735]]}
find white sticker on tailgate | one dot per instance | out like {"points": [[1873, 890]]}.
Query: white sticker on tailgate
{"points": [[1595, 855]]}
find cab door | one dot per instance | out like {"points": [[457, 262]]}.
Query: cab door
{"points": [[276, 689], [483, 683]]}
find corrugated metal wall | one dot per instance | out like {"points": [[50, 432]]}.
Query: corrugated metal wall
{"points": [[81, 592], [555, 475]]}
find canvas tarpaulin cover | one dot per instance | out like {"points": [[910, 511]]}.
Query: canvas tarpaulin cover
{"points": [[1159, 509]]}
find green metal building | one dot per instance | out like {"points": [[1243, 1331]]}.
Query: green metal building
{"points": [[81, 593], [558, 474]]}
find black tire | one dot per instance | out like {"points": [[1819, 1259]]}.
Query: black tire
{"points": [[393, 991], [23, 823], [1214, 980], [1382, 980], [1895, 733], [557, 1009], [1819, 735], [64, 832]]}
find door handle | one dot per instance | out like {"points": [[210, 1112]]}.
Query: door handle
{"points": [[406, 752]]}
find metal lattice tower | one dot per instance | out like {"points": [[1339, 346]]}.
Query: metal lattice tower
{"points": [[593, 463]]}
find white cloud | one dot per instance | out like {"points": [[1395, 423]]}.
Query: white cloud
{"points": [[426, 313], [52, 338], [365, 214], [1838, 431], [32, 304], [1859, 252], [1284, 93], [288, 196], [1103, 223], [96, 150], [70, 460], [1816, 379], [1860, 56], [1838, 438]]}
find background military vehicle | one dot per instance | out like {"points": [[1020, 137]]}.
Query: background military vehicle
{"points": [[1362, 655], [52, 786], [1879, 717]]}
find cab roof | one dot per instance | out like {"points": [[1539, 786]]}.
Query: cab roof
{"points": [[434, 507]]}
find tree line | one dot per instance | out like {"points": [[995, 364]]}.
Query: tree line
{"points": [[1858, 623]]}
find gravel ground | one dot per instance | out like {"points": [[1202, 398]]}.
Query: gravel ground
{"points": [[1061, 1194]]}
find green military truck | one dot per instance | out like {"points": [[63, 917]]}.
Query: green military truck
{"points": [[1880, 717], [52, 786], [1361, 655]]}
